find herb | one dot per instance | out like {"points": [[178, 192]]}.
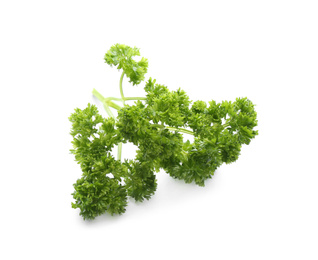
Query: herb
{"points": [[156, 125]]}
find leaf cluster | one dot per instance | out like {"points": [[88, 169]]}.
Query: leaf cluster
{"points": [[121, 55], [219, 131], [99, 190]]}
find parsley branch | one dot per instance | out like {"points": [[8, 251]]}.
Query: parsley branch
{"points": [[135, 98], [120, 145], [109, 112], [156, 126], [113, 105], [113, 98], [180, 130], [174, 129], [121, 87], [101, 98]]}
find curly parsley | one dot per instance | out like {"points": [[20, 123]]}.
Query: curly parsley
{"points": [[156, 125]]}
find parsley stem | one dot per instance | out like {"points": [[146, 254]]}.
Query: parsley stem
{"points": [[98, 95], [135, 98], [121, 87], [108, 101], [180, 130], [113, 98], [174, 129], [120, 145], [109, 112], [113, 105], [125, 98]]}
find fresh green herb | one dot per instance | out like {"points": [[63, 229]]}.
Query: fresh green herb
{"points": [[156, 125]]}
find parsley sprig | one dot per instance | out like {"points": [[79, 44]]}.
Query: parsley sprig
{"points": [[156, 124]]}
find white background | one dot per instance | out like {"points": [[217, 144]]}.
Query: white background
{"points": [[264, 206]]}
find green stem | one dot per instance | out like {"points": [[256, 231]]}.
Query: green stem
{"points": [[120, 146], [180, 130], [121, 87], [98, 95], [157, 125], [113, 98], [135, 98], [113, 105], [125, 98], [109, 112], [174, 129], [101, 98]]}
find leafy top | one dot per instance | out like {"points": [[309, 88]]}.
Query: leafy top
{"points": [[121, 55]]}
